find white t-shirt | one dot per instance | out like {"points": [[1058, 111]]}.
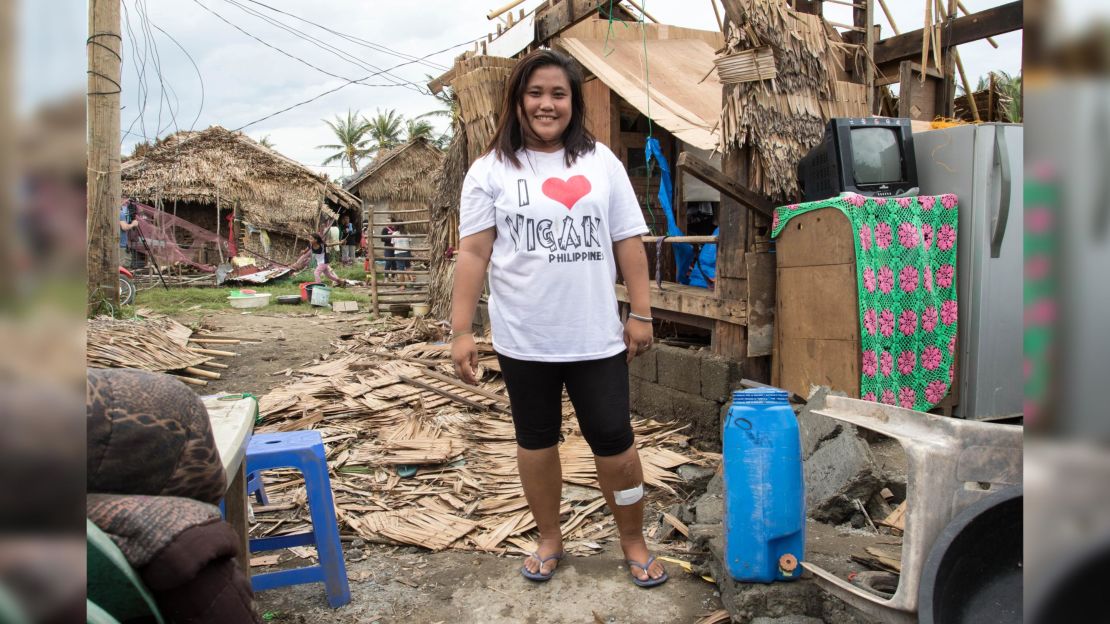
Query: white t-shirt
{"points": [[402, 242], [552, 270]]}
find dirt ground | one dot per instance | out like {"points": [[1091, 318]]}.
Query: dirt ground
{"points": [[411, 585]]}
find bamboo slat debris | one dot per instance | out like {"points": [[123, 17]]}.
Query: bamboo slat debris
{"points": [[150, 344], [782, 118], [416, 457], [747, 66]]}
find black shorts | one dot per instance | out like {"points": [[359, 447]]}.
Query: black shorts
{"points": [[598, 389]]}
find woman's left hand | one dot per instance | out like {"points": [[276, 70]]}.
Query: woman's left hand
{"points": [[638, 337]]}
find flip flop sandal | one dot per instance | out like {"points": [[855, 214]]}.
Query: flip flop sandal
{"points": [[538, 575], [648, 582]]}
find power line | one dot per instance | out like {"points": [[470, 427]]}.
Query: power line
{"points": [[335, 51], [349, 83], [357, 40], [200, 77]]}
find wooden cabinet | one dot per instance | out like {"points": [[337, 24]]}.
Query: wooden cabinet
{"points": [[817, 340]]}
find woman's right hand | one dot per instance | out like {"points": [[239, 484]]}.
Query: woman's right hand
{"points": [[464, 354]]}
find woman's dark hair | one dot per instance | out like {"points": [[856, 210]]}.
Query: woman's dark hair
{"points": [[318, 239], [509, 136]]}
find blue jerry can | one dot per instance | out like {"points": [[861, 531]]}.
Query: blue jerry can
{"points": [[764, 494]]}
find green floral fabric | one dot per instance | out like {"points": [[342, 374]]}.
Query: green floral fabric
{"points": [[906, 274]]}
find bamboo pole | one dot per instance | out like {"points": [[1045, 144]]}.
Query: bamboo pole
{"points": [[717, 14], [192, 370], [215, 352], [371, 254], [967, 86], [103, 198], [641, 8], [889, 17], [963, 9], [189, 380], [496, 13]]}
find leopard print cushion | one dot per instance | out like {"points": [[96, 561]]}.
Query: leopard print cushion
{"points": [[149, 434]]}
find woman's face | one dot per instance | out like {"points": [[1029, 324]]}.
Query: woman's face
{"points": [[545, 109]]}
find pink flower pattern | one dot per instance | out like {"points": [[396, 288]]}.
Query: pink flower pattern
{"points": [[886, 323], [930, 358], [946, 237], [907, 397], [948, 312], [904, 202], [935, 391], [869, 279], [883, 235], [929, 319], [870, 363], [926, 235], [907, 322], [886, 363], [886, 280], [948, 200], [855, 199], [868, 396], [865, 237], [907, 361], [879, 201], [775, 222], [928, 273], [944, 276], [870, 322], [927, 201], [952, 345], [908, 235], [888, 397], [907, 279]]}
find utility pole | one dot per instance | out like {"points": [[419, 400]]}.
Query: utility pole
{"points": [[103, 49]]}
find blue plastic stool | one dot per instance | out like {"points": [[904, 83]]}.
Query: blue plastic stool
{"points": [[303, 450], [256, 488]]}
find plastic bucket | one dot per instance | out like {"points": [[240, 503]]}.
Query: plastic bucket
{"points": [[306, 289], [321, 296]]}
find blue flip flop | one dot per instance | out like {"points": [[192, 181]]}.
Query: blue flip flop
{"points": [[649, 582], [538, 575]]}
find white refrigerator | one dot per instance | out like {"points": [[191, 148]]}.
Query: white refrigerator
{"points": [[982, 165]]}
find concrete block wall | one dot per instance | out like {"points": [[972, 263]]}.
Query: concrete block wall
{"points": [[686, 386]]}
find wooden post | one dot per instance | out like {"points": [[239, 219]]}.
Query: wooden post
{"points": [[947, 92], [372, 273], [103, 99], [219, 247]]}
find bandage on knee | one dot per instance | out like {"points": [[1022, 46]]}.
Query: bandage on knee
{"points": [[630, 496]]}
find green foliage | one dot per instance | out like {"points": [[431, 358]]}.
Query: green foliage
{"points": [[385, 130], [265, 141], [354, 140]]}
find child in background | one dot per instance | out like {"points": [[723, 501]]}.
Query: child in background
{"points": [[320, 254]]}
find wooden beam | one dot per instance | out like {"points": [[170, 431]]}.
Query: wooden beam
{"points": [[556, 17], [693, 301], [691, 164], [986, 23]]}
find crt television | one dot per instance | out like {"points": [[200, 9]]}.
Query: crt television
{"points": [[869, 155]]}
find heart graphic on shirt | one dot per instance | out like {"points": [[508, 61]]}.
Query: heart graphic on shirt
{"points": [[566, 192]]}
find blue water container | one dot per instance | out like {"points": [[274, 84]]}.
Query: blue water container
{"points": [[764, 495]]}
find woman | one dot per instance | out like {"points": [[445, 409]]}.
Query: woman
{"points": [[554, 213], [320, 255], [402, 251]]}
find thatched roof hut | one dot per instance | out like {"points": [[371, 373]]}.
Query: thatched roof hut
{"points": [[403, 174], [217, 166]]}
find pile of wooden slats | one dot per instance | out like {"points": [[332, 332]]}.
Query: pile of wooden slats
{"points": [[419, 458]]}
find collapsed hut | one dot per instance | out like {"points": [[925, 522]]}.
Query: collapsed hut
{"points": [[207, 181], [397, 188]]}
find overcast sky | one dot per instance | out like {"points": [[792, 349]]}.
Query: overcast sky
{"points": [[244, 80]]}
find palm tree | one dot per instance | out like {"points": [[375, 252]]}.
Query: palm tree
{"points": [[419, 129], [353, 140], [266, 142], [384, 130]]}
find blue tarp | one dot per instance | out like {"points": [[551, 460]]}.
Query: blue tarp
{"points": [[683, 252]]}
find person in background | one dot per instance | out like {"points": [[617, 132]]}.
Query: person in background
{"points": [[348, 238], [126, 224], [553, 307], [387, 244], [320, 254], [333, 240], [402, 251]]}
